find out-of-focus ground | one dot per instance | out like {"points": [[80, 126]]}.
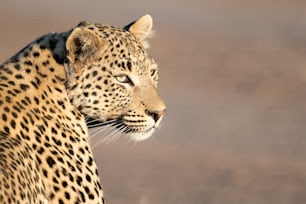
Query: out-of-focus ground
{"points": [[233, 75]]}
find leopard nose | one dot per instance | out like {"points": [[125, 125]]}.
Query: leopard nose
{"points": [[156, 115]]}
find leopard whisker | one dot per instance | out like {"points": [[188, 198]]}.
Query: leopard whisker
{"points": [[106, 129], [91, 123], [98, 125], [95, 132], [112, 136], [116, 134]]}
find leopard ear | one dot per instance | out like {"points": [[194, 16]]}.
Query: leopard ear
{"points": [[141, 28], [82, 46]]}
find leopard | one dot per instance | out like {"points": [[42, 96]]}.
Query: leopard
{"points": [[51, 87]]}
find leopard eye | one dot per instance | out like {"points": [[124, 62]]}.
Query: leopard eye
{"points": [[124, 79]]}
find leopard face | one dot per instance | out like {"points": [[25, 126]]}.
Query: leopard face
{"points": [[113, 79]]}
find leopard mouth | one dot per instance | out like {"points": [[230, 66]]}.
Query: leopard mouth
{"points": [[117, 127]]}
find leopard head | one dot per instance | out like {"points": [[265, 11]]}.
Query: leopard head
{"points": [[112, 79]]}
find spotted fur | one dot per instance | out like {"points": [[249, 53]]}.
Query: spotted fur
{"points": [[48, 89]]}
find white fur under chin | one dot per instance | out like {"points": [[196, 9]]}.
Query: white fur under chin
{"points": [[141, 136]]}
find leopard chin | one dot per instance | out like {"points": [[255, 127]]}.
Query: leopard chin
{"points": [[141, 136]]}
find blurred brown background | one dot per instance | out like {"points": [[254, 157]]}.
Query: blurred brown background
{"points": [[233, 75]]}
